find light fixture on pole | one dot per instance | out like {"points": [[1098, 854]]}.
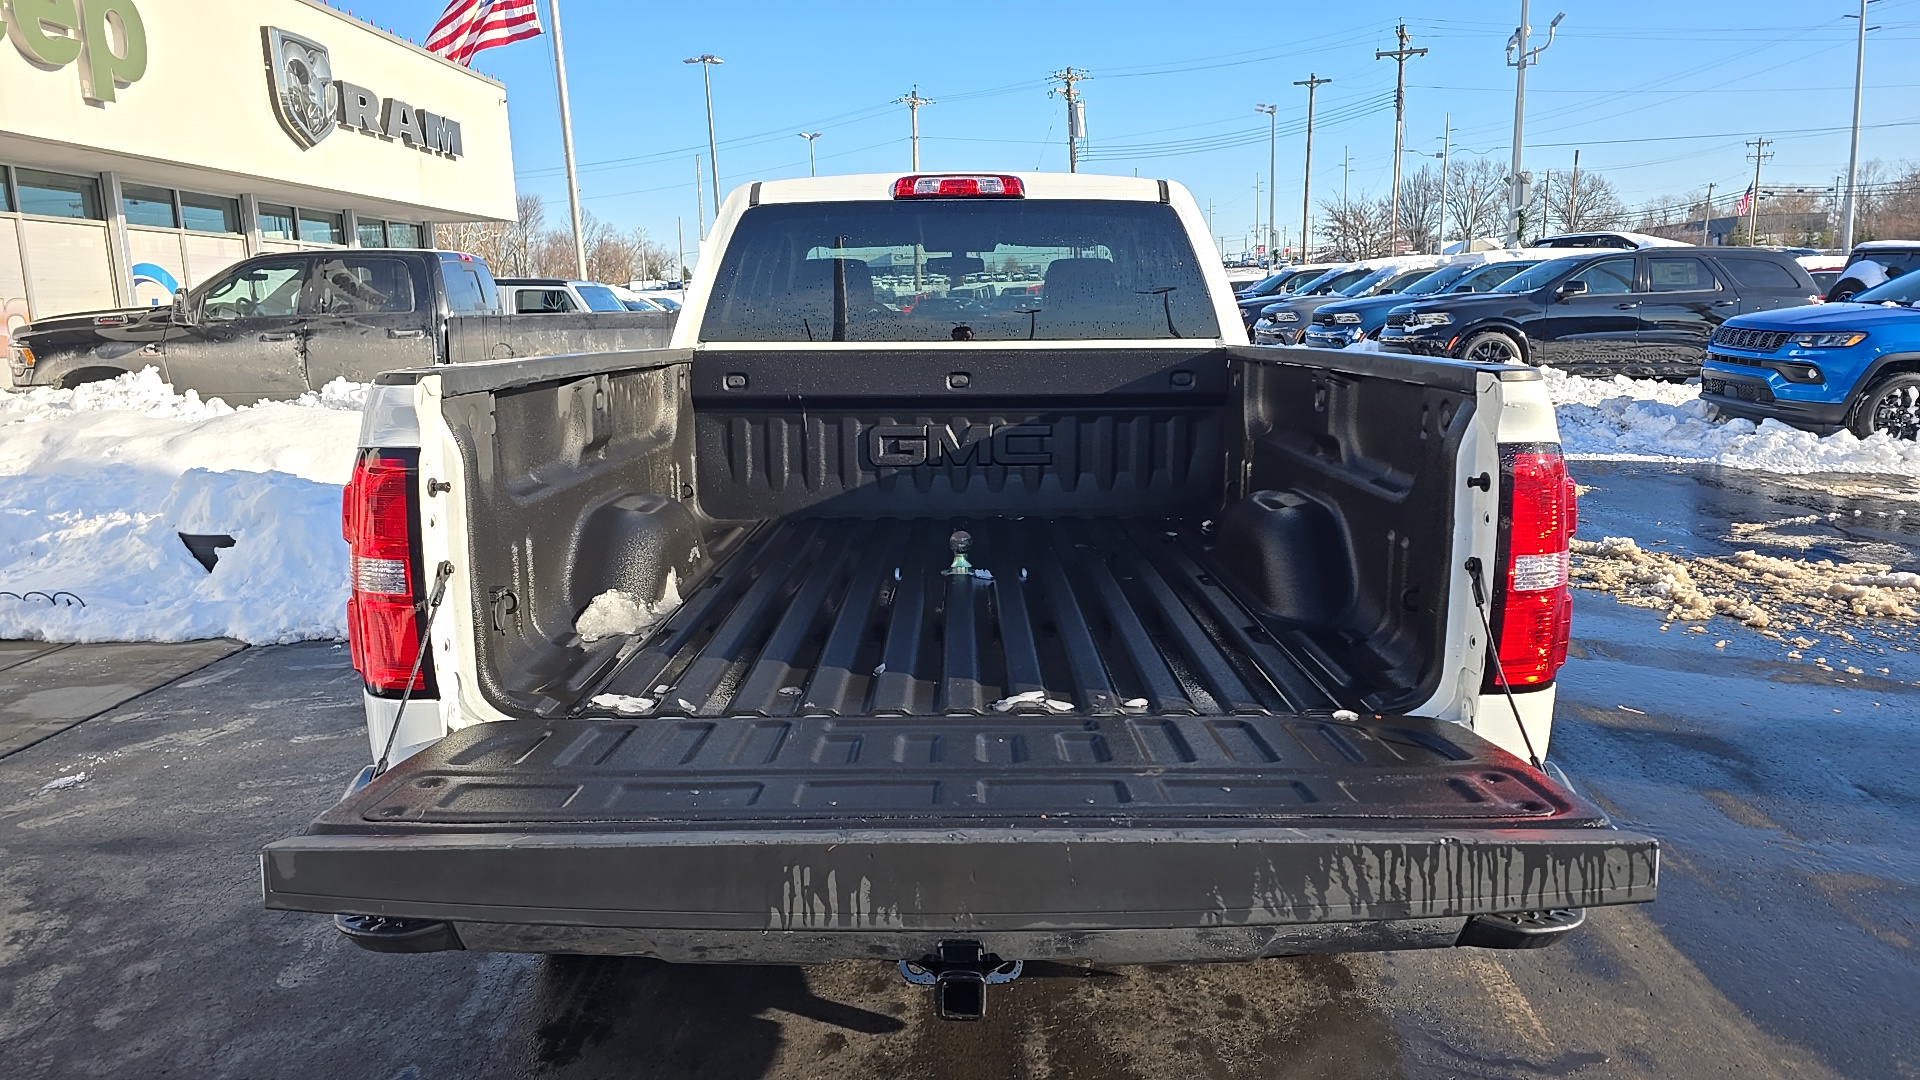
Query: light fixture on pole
{"points": [[1520, 57], [810, 136], [1273, 179], [706, 62]]}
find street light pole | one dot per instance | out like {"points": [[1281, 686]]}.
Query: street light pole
{"points": [[1306, 176], [1519, 57], [706, 62], [1273, 179], [810, 136]]}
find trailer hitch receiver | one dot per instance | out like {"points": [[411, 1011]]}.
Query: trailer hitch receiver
{"points": [[959, 973]]}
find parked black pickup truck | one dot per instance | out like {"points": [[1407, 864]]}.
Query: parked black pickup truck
{"points": [[839, 630], [279, 325]]}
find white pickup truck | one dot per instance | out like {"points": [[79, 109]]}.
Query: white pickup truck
{"points": [[877, 618]]}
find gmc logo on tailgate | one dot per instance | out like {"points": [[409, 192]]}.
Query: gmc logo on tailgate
{"points": [[897, 445]]}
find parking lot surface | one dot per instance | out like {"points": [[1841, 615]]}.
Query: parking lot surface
{"points": [[1786, 941]]}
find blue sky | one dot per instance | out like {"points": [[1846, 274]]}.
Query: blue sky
{"points": [[1660, 97]]}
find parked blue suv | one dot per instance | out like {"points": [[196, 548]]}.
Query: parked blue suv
{"points": [[1830, 366]]}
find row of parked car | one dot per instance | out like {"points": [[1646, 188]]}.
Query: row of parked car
{"points": [[1766, 340], [560, 296]]}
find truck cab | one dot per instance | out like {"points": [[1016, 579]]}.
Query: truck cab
{"points": [[272, 326]]}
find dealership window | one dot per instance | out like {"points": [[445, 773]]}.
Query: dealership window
{"points": [[6, 191], [57, 194], [276, 222], [148, 205], [395, 234], [319, 227], [209, 213]]}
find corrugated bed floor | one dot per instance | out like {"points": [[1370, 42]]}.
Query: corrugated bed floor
{"points": [[1056, 616]]}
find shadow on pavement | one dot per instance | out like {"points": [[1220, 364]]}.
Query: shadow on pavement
{"points": [[666, 1019]]}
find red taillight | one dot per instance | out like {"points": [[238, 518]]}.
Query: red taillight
{"points": [[1532, 598], [377, 515], [959, 187]]}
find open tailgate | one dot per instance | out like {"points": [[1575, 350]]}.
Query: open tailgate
{"points": [[958, 825]]}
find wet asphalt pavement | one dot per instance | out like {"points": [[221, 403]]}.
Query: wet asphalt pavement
{"points": [[1786, 941]]}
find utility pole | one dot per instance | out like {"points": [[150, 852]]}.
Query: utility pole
{"points": [[1273, 180], [1706, 220], [1346, 175], [706, 62], [1853, 152], [1759, 155], [680, 252], [1573, 195], [912, 101], [566, 143], [1446, 152], [1400, 56], [1075, 117], [810, 136], [1520, 57], [1306, 176], [700, 199], [1257, 258]]}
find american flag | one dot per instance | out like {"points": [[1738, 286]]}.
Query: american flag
{"points": [[1746, 202], [471, 25]]}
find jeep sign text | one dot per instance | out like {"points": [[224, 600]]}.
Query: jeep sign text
{"points": [[106, 36]]}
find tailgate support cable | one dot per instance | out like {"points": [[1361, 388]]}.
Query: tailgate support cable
{"points": [[1493, 652], [440, 578]]}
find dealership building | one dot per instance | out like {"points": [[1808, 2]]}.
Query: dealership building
{"points": [[145, 145]]}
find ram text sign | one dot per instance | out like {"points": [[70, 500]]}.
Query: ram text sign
{"points": [[310, 103]]}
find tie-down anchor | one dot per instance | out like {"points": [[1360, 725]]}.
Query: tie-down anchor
{"points": [[960, 974]]}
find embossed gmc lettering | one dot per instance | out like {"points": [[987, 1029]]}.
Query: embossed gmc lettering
{"points": [[896, 445]]}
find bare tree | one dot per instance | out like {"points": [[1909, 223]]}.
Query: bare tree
{"points": [[1356, 229], [1476, 200], [1420, 210], [525, 247], [1583, 203]]}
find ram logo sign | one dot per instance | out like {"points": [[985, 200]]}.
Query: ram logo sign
{"points": [[311, 103], [903, 445]]}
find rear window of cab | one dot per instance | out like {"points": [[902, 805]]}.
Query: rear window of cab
{"points": [[959, 269]]}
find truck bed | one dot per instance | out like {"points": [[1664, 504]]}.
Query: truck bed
{"points": [[1057, 617]]}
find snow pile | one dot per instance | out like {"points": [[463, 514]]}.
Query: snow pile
{"points": [[1648, 420], [615, 613], [1773, 595], [97, 482]]}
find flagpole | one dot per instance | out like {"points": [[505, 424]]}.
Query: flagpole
{"points": [[566, 143]]}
